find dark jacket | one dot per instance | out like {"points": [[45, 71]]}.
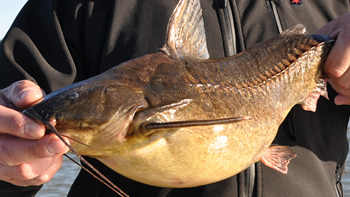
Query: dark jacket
{"points": [[58, 42]]}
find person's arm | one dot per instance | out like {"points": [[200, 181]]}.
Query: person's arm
{"points": [[338, 61], [28, 157]]}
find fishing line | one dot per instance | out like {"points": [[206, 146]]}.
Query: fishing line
{"points": [[103, 178]]}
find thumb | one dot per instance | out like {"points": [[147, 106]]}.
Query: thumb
{"points": [[21, 95]]}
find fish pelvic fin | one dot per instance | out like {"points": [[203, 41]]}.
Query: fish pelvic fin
{"points": [[192, 123], [186, 34], [278, 158]]}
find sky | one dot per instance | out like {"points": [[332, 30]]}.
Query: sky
{"points": [[8, 12]]}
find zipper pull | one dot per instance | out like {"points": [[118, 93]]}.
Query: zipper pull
{"points": [[338, 184]]}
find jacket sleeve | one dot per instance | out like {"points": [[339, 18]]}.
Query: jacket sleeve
{"points": [[36, 47]]}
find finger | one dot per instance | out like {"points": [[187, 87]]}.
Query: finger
{"points": [[15, 151], [335, 25], [338, 88], [21, 94], [341, 84], [34, 173], [342, 100], [15, 123], [338, 60]]}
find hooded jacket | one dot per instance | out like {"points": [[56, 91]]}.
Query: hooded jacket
{"points": [[58, 42]]}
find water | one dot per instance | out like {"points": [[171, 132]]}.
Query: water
{"points": [[346, 175], [61, 182]]}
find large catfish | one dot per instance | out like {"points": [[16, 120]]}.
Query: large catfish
{"points": [[176, 118]]}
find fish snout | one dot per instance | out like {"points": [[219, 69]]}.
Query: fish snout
{"points": [[42, 116]]}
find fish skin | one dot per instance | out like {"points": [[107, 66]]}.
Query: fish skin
{"points": [[108, 112]]}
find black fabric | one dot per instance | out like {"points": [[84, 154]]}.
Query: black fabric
{"points": [[9, 190], [58, 42]]}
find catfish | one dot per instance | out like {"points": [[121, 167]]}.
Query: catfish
{"points": [[176, 118]]}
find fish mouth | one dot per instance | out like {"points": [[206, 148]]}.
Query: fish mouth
{"points": [[35, 115]]}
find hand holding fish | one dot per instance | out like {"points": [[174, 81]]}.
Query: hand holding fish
{"points": [[27, 157], [338, 62]]}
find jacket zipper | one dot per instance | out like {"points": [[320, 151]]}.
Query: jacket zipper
{"points": [[225, 16], [246, 179], [338, 184], [276, 16]]}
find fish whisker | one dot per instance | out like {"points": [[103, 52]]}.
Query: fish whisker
{"points": [[99, 175], [83, 144]]}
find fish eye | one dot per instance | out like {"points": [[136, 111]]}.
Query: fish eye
{"points": [[74, 96]]}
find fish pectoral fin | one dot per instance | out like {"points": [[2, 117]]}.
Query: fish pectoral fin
{"points": [[186, 33], [193, 123], [278, 158]]}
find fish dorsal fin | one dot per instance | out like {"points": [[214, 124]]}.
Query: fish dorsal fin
{"points": [[185, 33], [296, 29]]}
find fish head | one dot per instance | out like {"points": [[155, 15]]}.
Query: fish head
{"points": [[65, 107], [89, 112]]}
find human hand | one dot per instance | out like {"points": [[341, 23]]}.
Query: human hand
{"points": [[27, 155], [337, 63]]}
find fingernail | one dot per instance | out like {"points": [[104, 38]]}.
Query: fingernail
{"points": [[57, 147], [34, 130], [33, 92]]}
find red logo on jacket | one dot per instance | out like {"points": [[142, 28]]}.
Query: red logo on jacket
{"points": [[296, 2]]}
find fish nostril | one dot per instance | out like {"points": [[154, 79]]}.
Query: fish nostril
{"points": [[74, 96]]}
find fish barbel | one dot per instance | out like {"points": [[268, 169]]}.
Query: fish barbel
{"points": [[176, 118]]}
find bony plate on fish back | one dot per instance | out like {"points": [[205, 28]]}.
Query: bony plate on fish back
{"points": [[176, 118]]}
